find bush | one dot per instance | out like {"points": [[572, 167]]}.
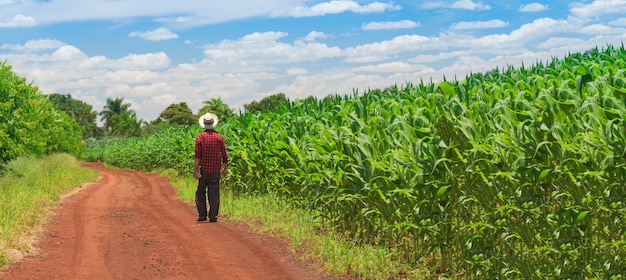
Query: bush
{"points": [[29, 122]]}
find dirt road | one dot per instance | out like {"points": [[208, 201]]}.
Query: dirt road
{"points": [[130, 225]]}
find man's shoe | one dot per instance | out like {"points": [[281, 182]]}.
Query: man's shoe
{"points": [[200, 219], [213, 220]]}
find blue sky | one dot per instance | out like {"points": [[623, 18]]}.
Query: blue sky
{"points": [[155, 52]]}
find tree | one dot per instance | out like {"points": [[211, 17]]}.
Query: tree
{"points": [[125, 124], [253, 106], [218, 107], [80, 111], [177, 114], [29, 123], [111, 109], [268, 103]]}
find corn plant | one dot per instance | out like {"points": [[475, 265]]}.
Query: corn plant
{"points": [[515, 173]]}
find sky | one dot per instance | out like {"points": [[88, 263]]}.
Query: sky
{"points": [[154, 53]]}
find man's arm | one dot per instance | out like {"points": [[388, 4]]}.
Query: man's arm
{"points": [[196, 158], [224, 169], [196, 168]]}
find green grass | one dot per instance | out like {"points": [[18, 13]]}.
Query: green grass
{"points": [[29, 189], [306, 235]]}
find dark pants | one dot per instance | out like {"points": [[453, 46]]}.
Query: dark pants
{"points": [[210, 181]]}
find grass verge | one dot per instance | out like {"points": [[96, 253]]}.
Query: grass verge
{"points": [[29, 190], [306, 235]]}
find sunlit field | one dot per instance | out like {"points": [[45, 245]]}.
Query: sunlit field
{"points": [[515, 173]]}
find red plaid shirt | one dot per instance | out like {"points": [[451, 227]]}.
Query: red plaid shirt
{"points": [[211, 150]]}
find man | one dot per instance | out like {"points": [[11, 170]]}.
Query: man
{"points": [[210, 162]]}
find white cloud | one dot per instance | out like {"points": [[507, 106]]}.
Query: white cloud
{"points": [[463, 65], [158, 34], [429, 5], [314, 35], [390, 67], [131, 62], [540, 28], [94, 62], [349, 80], [335, 7], [264, 36], [496, 23], [597, 29], [470, 5], [18, 21], [558, 42], [180, 13], [264, 48], [389, 48], [563, 46], [376, 7], [117, 90], [317, 84], [618, 22], [149, 61], [34, 45], [598, 8], [533, 7], [431, 58], [379, 25], [67, 52], [177, 20], [297, 71], [134, 77]]}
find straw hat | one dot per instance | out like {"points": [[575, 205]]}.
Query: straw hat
{"points": [[208, 121]]}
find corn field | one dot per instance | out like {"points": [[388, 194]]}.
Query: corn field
{"points": [[517, 173]]}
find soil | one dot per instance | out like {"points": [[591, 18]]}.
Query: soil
{"points": [[131, 225]]}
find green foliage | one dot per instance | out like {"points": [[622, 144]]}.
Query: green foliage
{"points": [[29, 122], [514, 173], [115, 107], [125, 124], [79, 111], [267, 103], [96, 147], [153, 127], [216, 106], [29, 189], [177, 114], [253, 106], [167, 149]]}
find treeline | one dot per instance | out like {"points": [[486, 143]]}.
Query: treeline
{"points": [[119, 121], [29, 123], [33, 123]]}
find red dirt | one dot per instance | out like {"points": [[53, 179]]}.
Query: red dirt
{"points": [[131, 225]]}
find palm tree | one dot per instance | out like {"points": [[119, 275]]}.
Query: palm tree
{"points": [[126, 124], [111, 109], [218, 107]]}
